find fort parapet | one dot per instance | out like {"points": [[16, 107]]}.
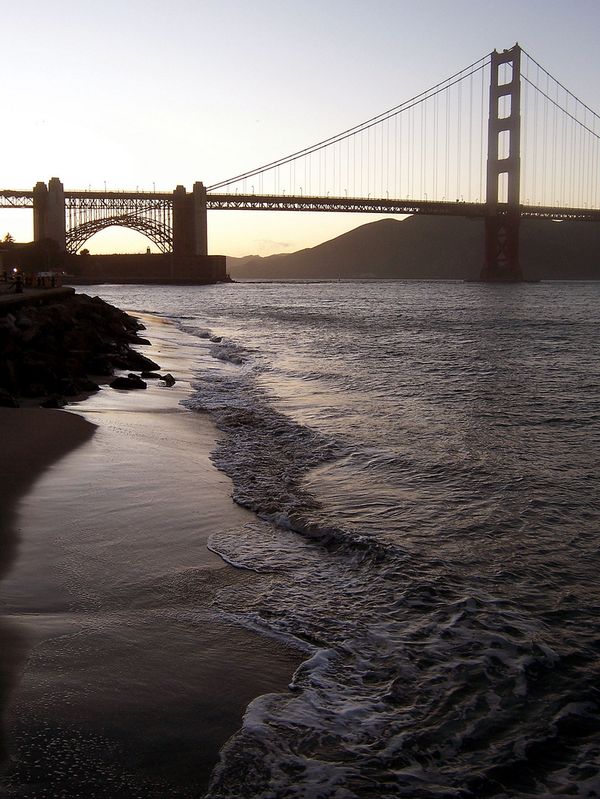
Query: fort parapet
{"points": [[164, 268]]}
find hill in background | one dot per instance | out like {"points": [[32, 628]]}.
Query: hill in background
{"points": [[430, 247]]}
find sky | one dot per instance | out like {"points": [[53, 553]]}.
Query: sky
{"points": [[145, 94]]}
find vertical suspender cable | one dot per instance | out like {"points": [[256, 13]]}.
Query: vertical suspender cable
{"points": [[563, 197], [536, 132], [545, 153], [383, 169], [571, 174], [435, 147], [524, 138], [482, 159], [423, 148], [459, 139], [447, 161], [469, 187], [396, 189], [554, 148], [401, 152]]}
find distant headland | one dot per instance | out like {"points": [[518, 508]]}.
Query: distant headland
{"points": [[431, 248]]}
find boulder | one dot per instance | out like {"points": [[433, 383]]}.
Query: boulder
{"points": [[87, 386], [7, 400], [73, 386], [100, 365], [135, 360], [127, 383], [54, 401], [168, 379]]}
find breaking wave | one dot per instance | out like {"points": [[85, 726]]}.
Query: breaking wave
{"points": [[421, 678]]}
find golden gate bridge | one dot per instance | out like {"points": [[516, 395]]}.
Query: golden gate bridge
{"points": [[500, 140]]}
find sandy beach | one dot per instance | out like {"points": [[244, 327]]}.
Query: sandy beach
{"points": [[119, 676]]}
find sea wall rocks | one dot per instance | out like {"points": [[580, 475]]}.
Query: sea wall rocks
{"points": [[60, 349]]}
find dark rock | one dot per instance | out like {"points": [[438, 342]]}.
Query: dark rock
{"points": [[135, 360], [36, 375], [68, 387], [51, 348], [121, 362], [169, 379], [216, 339], [151, 375], [7, 400], [87, 386], [73, 386], [100, 365], [34, 390], [53, 402], [129, 382]]}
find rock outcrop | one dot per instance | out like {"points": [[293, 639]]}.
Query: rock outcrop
{"points": [[61, 348], [132, 381]]}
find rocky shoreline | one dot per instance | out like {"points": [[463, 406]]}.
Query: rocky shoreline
{"points": [[53, 348]]}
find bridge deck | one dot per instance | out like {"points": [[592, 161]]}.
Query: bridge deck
{"points": [[14, 198], [265, 202]]}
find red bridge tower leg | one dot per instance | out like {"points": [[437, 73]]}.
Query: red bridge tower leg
{"points": [[503, 173]]}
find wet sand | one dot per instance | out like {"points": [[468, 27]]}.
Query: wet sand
{"points": [[120, 677]]}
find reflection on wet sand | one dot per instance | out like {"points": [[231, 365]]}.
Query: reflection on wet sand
{"points": [[124, 679], [32, 439]]}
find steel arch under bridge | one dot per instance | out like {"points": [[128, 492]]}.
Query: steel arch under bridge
{"points": [[90, 212]]}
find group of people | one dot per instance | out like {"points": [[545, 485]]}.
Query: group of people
{"points": [[40, 280]]}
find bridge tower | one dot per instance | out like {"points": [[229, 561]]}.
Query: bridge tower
{"points": [[190, 221], [503, 170], [49, 212]]}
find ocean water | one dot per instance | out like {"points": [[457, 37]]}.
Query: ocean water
{"points": [[423, 461]]}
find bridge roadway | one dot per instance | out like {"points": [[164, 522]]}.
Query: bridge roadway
{"points": [[266, 202], [119, 200]]}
